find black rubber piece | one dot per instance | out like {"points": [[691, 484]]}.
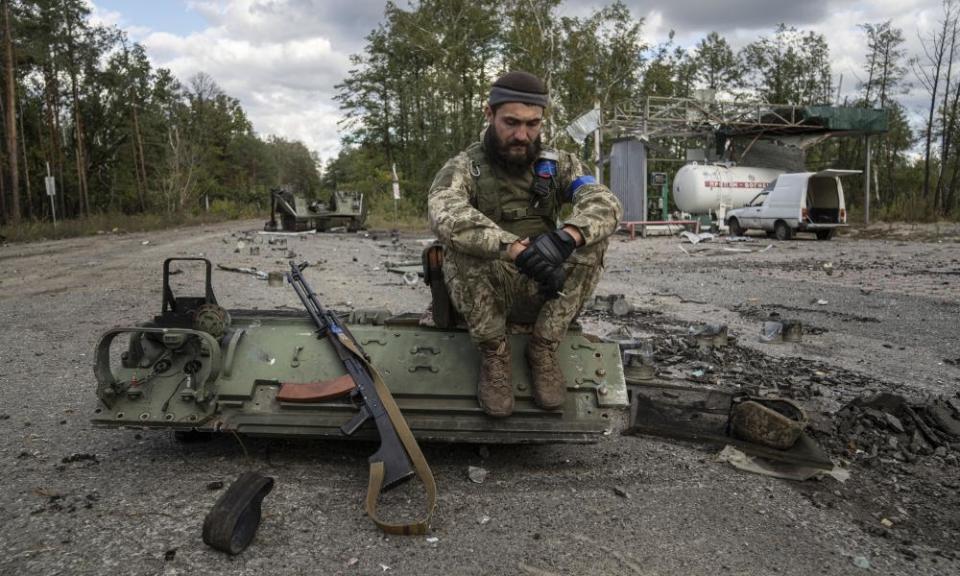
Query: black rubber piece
{"points": [[233, 521]]}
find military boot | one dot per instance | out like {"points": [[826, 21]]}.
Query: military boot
{"points": [[495, 389], [549, 386]]}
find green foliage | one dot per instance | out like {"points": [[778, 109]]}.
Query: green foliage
{"points": [[416, 95], [791, 67], [121, 136], [715, 64]]}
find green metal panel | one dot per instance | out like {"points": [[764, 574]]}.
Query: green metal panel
{"points": [[432, 374], [846, 119]]}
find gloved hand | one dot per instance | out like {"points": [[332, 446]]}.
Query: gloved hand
{"points": [[543, 260], [551, 286]]}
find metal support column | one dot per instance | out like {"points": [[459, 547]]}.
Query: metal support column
{"points": [[866, 186]]}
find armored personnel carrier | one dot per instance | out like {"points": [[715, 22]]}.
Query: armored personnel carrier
{"points": [[296, 213], [198, 366]]}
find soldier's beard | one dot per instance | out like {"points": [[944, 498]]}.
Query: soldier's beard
{"points": [[500, 152]]}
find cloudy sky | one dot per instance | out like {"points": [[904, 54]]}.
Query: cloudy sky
{"points": [[281, 58]]}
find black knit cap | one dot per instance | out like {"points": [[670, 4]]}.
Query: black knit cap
{"points": [[519, 86]]}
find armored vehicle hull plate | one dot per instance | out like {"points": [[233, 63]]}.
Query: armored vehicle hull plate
{"points": [[179, 379]]}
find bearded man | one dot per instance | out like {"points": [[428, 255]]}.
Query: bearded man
{"points": [[496, 209]]}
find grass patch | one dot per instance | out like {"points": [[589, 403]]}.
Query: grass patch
{"points": [[404, 222], [124, 223]]}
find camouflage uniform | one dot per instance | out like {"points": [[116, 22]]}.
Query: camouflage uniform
{"points": [[477, 211]]}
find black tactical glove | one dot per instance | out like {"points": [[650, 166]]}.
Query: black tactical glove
{"points": [[543, 260], [551, 286]]}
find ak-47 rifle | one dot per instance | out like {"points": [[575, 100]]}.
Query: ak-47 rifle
{"points": [[399, 456]]}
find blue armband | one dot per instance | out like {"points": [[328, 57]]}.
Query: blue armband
{"points": [[576, 184]]}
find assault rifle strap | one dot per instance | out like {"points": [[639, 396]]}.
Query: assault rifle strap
{"points": [[420, 466]]}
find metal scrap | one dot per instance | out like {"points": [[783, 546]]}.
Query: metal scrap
{"points": [[739, 460], [702, 415], [697, 238], [477, 474], [259, 274]]}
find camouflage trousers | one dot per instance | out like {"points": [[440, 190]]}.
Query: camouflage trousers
{"points": [[489, 293]]}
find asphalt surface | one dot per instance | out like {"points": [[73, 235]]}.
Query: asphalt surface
{"points": [[79, 500]]}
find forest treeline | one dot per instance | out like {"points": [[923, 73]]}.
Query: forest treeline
{"points": [[82, 101], [414, 96]]}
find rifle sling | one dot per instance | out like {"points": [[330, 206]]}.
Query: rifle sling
{"points": [[420, 466]]}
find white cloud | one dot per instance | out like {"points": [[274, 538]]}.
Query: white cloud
{"points": [[264, 54], [282, 58]]}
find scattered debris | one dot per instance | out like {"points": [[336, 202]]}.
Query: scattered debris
{"points": [[828, 268], [703, 415], [80, 457], [621, 492], [638, 364], [477, 474], [352, 561], [888, 426], [861, 562], [277, 233], [215, 485], [261, 275], [697, 238], [771, 332], [615, 304], [783, 470], [430, 539], [773, 422], [710, 335], [232, 522], [781, 331]]}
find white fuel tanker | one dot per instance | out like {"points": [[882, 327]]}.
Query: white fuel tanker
{"points": [[716, 188]]}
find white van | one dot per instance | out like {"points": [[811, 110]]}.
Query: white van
{"points": [[797, 202]]}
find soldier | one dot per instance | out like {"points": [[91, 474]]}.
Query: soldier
{"points": [[495, 208]]}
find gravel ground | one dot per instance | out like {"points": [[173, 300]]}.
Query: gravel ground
{"points": [[80, 500]]}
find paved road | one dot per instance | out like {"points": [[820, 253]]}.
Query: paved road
{"points": [[79, 500]]}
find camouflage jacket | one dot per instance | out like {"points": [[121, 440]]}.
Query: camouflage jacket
{"points": [[459, 224]]}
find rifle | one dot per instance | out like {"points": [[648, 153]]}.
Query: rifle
{"points": [[399, 457]]}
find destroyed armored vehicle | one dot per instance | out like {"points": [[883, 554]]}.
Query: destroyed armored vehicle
{"points": [[197, 366], [297, 214]]}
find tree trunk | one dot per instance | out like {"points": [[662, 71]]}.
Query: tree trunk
{"points": [[11, 114], [137, 151], [79, 155], [138, 134], [929, 132], [3, 195], [26, 166], [939, 45], [946, 121]]}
